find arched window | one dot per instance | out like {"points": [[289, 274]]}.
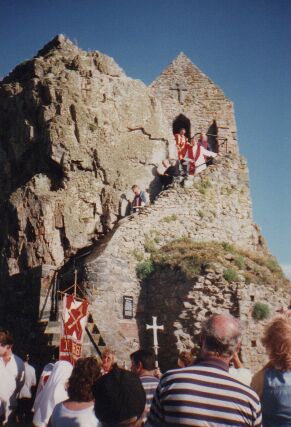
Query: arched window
{"points": [[180, 122]]}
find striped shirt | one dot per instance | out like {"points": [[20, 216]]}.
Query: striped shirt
{"points": [[204, 395], [149, 383]]}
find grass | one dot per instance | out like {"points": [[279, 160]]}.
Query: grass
{"points": [[201, 214], [230, 275], [138, 255], [144, 269], [192, 258], [169, 218], [150, 245], [203, 186], [261, 311], [228, 247], [240, 262], [92, 127]]}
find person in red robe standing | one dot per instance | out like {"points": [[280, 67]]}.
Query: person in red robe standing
{"points": [[185, 151]]}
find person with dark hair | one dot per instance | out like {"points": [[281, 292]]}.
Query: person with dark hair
{"points": [[13, 367], [273, 382], [185, 152], [205, 393], [167, 172], [78, 411], [143, 364], [119, 399], [185, 358]]}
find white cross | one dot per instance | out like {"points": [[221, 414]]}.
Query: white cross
{"points": [[155, 327], [180, 92]]}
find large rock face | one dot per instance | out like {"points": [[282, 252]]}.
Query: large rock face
{"points": [[76, 134]]}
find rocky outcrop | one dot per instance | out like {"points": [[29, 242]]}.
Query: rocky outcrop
{"points": [[76, 134]]}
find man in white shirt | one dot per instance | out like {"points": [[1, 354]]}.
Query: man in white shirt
{"points": [[13, 368]]}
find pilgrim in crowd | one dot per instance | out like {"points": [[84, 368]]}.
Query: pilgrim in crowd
{"points": [[25, 399], [12, 374], [143, 365], [210, 390]]}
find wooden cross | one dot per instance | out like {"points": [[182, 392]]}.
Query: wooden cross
{"points": [[180, 91], [155, 327]]}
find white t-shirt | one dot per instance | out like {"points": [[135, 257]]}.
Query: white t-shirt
{"points": [[30, 381], [64, 417], [15, 369]]}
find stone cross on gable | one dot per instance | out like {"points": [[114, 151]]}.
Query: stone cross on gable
{"points": [[85, 88], [155, 327], [180, 89]]}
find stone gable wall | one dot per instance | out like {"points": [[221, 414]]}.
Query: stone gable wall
{"points": [[203, 101]]}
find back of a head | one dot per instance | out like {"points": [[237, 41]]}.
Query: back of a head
{"points": [[84, 375], [221, 335], [119, 396], [277, 341], [145, 357], [186, 357]]}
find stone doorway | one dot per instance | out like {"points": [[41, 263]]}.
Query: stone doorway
{"points": [[182, 121], [212, 134]]}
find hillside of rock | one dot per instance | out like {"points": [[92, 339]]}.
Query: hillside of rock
{"points": [[76, 134]]}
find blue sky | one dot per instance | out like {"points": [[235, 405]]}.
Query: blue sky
{"points": [[242, 45]]}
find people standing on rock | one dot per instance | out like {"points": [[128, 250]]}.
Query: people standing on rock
{"points": [[185, 152], [205, 394], [139, 200], [119, 399], [13, 368], [200, 155], [185, 358], [24, 413], [143, 365], [54, 392], [273, 382], [167, 171], [108, 358], [78, 410]]}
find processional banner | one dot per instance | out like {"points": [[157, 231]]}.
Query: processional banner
{"points": [[73, 324]]}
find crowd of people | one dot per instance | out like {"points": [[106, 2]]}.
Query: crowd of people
{"points": [[194, 155], [210, 389]]}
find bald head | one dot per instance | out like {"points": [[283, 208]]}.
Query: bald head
{"points": [[221, 335]]}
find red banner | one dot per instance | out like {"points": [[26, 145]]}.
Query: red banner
{"points": [[74, 321]]}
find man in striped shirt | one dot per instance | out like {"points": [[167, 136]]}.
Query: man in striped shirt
{"points": [[205, 395], [143, 364]]}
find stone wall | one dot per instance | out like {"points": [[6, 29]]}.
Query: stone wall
{"points": [[216, 208], [201, 101]]}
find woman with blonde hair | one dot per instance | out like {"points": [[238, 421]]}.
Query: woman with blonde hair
{"points": [[273, 382]]}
